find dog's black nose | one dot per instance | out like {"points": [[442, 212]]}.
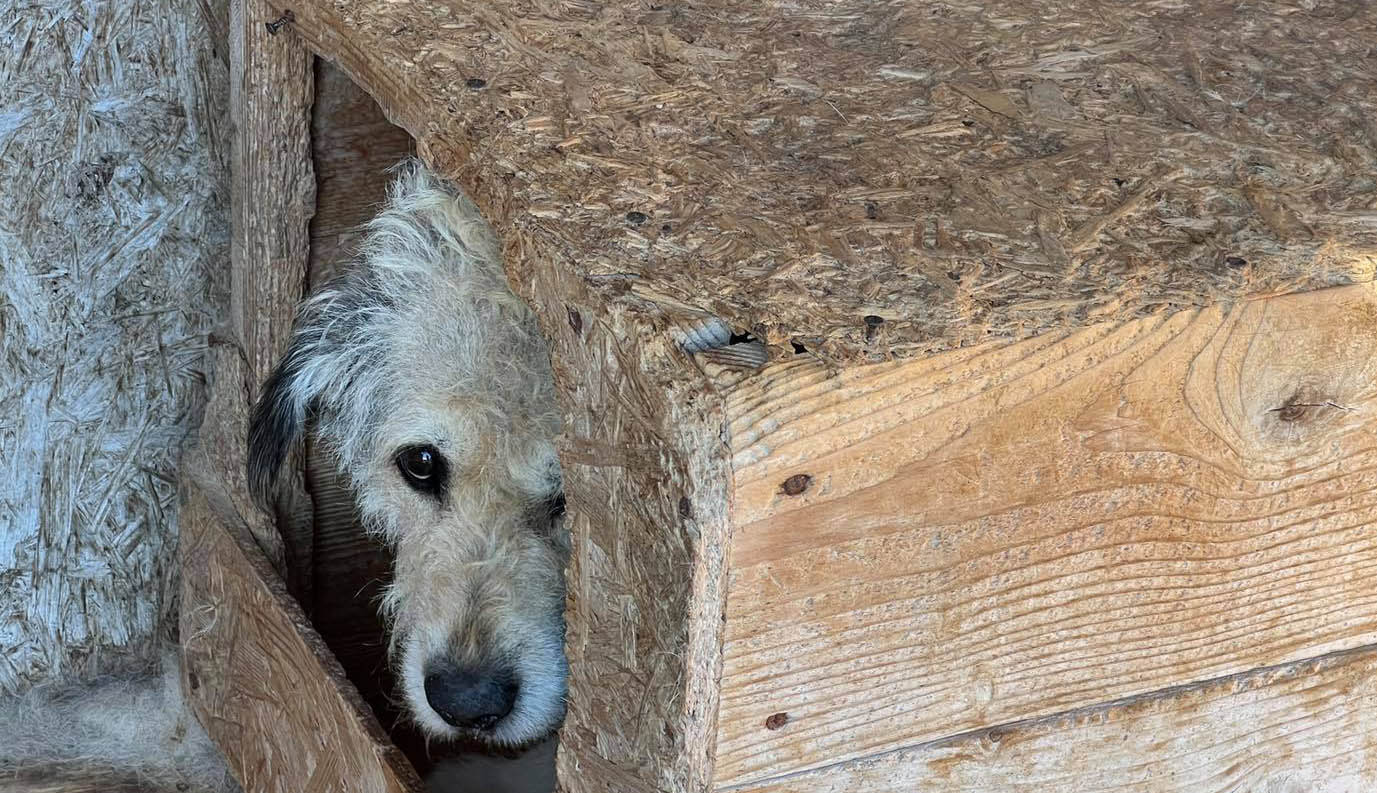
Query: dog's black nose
{"points": [[470, 698]]}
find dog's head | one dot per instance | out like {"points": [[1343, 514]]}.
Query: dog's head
{"points": [[428, 380]]}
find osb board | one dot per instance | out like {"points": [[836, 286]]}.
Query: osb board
{"points": [[1306, 728], [958, 171], [260, 680], [113, 196], [1016, 530], [647, 488]]}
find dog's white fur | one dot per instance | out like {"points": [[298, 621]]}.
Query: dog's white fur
{"points": [[422, 342]]}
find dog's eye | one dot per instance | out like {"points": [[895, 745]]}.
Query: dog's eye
{"points": [[423, 467]]}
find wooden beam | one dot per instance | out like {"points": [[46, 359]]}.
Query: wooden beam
{"points": [[1012, 531], [259, 678], [271, 93], [1301, 727], [985, 170]]}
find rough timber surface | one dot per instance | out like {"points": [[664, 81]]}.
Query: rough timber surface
{"points": [[959, 170], [1013, 530], [1302, 728], [260, 681], [647, 487]]}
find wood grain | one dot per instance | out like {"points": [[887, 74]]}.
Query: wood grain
{"points": [[647, 481], [271, 91], [1303, 728], [1016, 530], [260, 680], [352, 145]]}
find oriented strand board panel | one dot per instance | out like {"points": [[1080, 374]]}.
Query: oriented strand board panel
{"points": [[1017, 530], [1307, 728], [260, 680], [959, 170]]}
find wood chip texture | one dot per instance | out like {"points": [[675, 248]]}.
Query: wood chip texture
{"points": [[113, 227], [958, 170]]}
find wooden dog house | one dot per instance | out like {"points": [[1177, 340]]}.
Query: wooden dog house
{"points": [[1059, 468]]}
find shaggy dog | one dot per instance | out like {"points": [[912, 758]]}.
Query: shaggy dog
{"points": [[430, 383]]}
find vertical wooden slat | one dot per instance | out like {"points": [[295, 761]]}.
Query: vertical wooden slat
{"points": [[271, 94]]}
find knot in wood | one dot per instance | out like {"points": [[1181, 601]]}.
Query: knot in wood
{"points": [[776, 720], [796, 484]]}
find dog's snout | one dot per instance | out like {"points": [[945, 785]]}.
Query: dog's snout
{"points": [[473, 698]]}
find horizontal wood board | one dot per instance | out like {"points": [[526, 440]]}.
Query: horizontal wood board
{"points": [[1303, 728], [1015, 530]]}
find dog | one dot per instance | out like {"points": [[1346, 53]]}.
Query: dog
{"points": [[429, 382]]}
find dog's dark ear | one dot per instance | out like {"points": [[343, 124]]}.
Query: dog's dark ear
{"points": [[278, 420]]}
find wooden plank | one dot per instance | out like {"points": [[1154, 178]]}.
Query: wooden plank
{"points": [[271, 92], [1309, 727], [260, 680], [646, 480], [1016, 530]]}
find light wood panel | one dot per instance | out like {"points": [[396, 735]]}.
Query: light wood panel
{"points": [[1015, 530], [260, 680], [1304, 728]]}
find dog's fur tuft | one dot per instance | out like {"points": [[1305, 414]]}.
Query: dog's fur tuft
{"points": [[422, 343]]}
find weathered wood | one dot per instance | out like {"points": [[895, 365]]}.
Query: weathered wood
{"points": [[271, 91], [646, 483], [1010, 531], [959, 171], [872, 181], [259, 679], [1306, 727]]}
